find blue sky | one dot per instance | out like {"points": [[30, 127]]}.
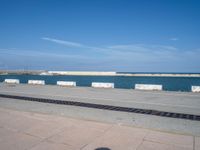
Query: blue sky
{"points": [[100, 35]]}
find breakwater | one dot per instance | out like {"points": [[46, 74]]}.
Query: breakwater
{"points": [[97, 73]]}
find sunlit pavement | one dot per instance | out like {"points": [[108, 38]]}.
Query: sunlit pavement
{"points": [[21, 130]]}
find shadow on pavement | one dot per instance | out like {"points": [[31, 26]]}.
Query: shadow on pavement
{"points": [[102, 148]]}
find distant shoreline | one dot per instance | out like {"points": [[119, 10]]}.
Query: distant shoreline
{"points": [[95, 73]]}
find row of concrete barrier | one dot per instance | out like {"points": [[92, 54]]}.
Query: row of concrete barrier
{"points": [[98, 85]]}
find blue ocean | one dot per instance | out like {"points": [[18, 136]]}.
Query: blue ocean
{"points": [[124, 82]]}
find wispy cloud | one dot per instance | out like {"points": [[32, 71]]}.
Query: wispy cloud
{"points": [[73, 44], [37, 54], [174, 39], [67, 43], [143, 53], [124, 57], [135, 53]]}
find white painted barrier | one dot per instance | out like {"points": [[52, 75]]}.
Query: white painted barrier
{"points": [[66, 83], [148, 87], [36, 82], [102, 85], [195, 88], [13, 81]]}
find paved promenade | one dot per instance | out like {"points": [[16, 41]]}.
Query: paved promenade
{"points": [[21, 130], [178, 102], [30, 125]]}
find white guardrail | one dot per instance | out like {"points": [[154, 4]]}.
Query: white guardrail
{"points": [[195, 88], [66, 83], [13, 81], [148, 87], [36, 82], [102, 85], [152, 87]]}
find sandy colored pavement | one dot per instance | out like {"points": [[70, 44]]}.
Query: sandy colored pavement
{"points": [[22, 130], [180, 102]]}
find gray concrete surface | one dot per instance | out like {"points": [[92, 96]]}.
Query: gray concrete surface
{"points": [[22, 130], [179, 102], [165, 101]]}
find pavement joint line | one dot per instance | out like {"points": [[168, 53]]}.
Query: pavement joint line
{"points": [[103, 99], [166, 143], [96, 138], [140, 144], [36, 144], [107, 107], [143, 136], [143, 139]]}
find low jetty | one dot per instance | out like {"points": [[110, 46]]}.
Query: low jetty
{"points": [[97, 73]]}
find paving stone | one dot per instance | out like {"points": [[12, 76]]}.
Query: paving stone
{"points": [[146, 145], [25, 130], [77, 135], [45, 129], [197, 143], [16, 122], [5, 133], [92, 124], [170, 138], [18, 141], [51, 146], [131, 132], [118, 138]]}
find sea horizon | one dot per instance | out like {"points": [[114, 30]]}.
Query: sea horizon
{"points": [[119, 72]]}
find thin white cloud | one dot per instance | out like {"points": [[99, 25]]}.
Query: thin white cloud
{"points": [[141, 48], [141, 53], [134, 53], [129, 57], [174, 39], [38, 54], [67, 43], [73, 44]]}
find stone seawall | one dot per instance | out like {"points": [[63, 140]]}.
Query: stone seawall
{"points": [[97, 73]]}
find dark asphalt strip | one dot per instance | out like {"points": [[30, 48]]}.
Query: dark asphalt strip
{"points": [[107, 107]]}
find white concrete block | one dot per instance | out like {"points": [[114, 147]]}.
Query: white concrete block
{"points": [[66, 83], [195, 88], [14, 81], [36, 82], [148, 87], [102, 85]]}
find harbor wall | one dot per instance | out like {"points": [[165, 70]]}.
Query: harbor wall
{"points": [[88, 73], [97, 73]]}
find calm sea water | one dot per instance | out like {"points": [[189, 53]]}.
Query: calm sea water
{"points": [[169, 83]]}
